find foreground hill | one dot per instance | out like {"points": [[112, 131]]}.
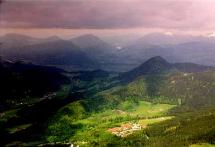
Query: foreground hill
{"points": [[20, 81], [189, 89]]}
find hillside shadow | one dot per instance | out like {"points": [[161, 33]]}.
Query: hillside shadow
{"points": [[36, 115], [153, 84]]}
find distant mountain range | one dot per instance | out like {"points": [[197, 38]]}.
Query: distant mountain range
{"points": [[169, 38], [13, 40], [51, 51], [174, 48], [89, 52]]}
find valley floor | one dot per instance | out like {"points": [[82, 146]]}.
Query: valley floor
{"points": [[124, 116]]}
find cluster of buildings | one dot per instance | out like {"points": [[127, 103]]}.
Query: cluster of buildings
{"points": [[125, 129]]}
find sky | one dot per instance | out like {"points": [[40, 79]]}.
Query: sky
{"points": [[39, 17]]}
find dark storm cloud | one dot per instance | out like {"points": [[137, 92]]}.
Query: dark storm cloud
{"points": [[106, 14]]}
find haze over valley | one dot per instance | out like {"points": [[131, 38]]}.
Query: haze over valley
{"points": [[89, 52]]}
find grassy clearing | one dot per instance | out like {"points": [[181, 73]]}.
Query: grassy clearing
{"points": [[183, 129], [147, 109], [146, 122], [92, 128]]}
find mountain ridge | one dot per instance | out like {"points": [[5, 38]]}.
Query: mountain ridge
{"points": [[158, 65]]}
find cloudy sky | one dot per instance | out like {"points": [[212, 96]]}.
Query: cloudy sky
{"points": [[100, 15]]}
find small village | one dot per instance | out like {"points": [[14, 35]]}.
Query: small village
{"points": [[126, 129]]}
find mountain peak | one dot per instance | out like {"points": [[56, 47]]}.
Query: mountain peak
{"points": [[155, 65], [53, 38], [88, 41], [157, 59], [87, 37], [158, 66]]}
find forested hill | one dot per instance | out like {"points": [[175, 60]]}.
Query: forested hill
{"points": [[158, 65], [21, 80]]}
